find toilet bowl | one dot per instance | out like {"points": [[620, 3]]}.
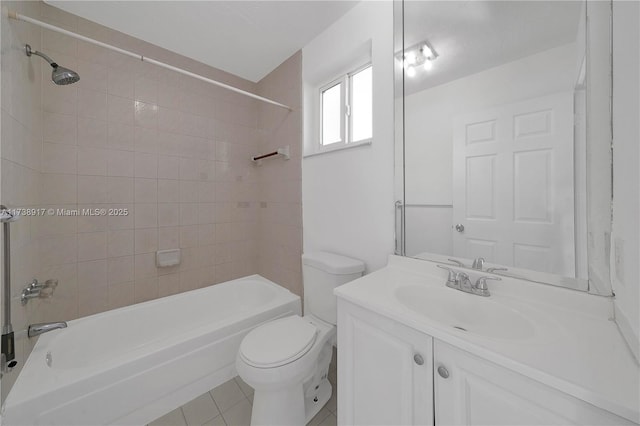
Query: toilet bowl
{"points": [[287, 360]]}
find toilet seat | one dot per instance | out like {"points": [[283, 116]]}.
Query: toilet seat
{"points": [[278, 342]]}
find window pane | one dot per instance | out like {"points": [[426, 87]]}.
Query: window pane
{"points": [[331, 115], [361, 105]]}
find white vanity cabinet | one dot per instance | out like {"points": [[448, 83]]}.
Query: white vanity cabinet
{"points": [[469, 390], [392, 374], [385, 370]]}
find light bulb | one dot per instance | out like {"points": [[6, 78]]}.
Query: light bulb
{"points": [[411, 71], [410, 58], [427, 52], [428, 65]]}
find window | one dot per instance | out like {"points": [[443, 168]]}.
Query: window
{"points": [[346, 109]]}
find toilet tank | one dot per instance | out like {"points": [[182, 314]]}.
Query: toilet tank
{"points": [[321, 273]]}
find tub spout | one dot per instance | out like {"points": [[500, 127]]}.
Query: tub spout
{"points": [[38, 329]]}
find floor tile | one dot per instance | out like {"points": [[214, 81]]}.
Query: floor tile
{"points": [[318, 418], [330, 420], [246, 389], [200, 410], [218, 421], [174, 418], [239, 414], [227, 395]]}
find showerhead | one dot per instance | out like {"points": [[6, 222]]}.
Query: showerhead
{"points": [[62, 76], [59, 75]]}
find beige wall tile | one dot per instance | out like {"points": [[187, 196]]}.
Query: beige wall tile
{"points": [[120, 110], [168, 237], [120, 270], [168, 214], [146, 190], [146, 215], [92, 104], [92, 246], [120, 190], [146, 165], [120, 163], [92, 132], [146, 240], [59, 189], [92, 189], [59, 128], [92, 161], [58, 158], [120, 136], [119, 83], [120, 243]]}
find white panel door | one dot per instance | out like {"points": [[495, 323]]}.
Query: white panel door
{"points": [[385, 371], [477, 392], [513, 185]]}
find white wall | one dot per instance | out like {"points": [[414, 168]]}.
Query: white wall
{"points": [[429, 148], [347, 195], [626, 179]]}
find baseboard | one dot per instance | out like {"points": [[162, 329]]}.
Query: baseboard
{"points": [[630, 337]]}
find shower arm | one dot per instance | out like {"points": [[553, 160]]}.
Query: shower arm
{"points": [[30, 52]]}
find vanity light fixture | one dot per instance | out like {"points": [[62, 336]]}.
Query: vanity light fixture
{"points": [[419, 55]]}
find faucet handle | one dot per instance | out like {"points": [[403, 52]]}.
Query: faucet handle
{"points": [[453, 274], [492, 270], [457, 262], [481, 283]]}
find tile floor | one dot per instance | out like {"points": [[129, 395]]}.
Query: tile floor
{"points": [[230, 404]]}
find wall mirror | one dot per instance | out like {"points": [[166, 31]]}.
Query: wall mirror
{"points": [[503, 144]]}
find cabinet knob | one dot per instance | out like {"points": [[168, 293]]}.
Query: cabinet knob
{"points": [[418, 359], [443, 372]]}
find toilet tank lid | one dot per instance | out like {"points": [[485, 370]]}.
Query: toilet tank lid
{"points": [[332, 263]]}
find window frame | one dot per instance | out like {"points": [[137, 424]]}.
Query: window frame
{"points": [[346, 101], [350, 100], [342, 81]]}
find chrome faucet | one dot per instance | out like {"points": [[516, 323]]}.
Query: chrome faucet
{"points": [[461, 281], [478, 263], [44, 327]]}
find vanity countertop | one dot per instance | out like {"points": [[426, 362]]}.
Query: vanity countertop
{"points": [[575, 347]]}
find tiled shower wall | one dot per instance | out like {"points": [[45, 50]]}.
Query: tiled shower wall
{"points": [[280, 196], [170, 150]]}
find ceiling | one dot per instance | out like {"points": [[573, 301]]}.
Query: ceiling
{"points": [[245, 38], [471, 36]]}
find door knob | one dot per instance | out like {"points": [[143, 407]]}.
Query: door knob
{"points": [[418, 359], [443, 372], [459, 227]]}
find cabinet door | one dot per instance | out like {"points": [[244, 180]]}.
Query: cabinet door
{"points": [[385, 371], [478, 392]]}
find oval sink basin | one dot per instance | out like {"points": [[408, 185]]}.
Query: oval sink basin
{"points": [[466, 312]]}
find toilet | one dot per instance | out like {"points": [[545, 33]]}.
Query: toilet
{"points": [[287, 360]]}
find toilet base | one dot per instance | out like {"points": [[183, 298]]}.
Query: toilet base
{"points": [[283, 407], [313, 404], [287, 407]]}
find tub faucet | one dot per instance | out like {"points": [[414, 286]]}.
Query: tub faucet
{"points": [[38, 329]]}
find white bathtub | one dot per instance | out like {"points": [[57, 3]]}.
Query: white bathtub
{"points": [[134, 364]]}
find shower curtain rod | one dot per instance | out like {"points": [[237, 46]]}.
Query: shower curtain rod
{"points": [[20, 17]]}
